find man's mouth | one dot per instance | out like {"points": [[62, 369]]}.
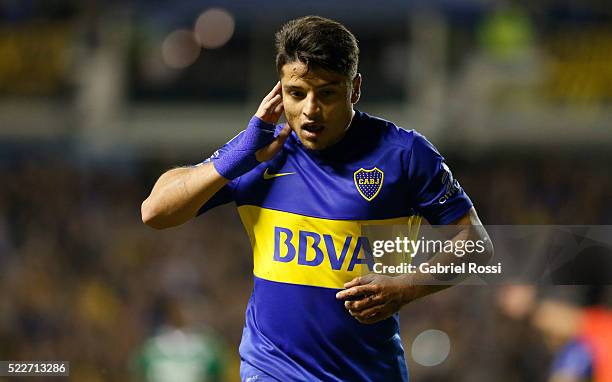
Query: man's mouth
{"points": [[313, 128]]}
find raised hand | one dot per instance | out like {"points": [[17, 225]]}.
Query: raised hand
{"points": [[257, 142], [271, 107]]}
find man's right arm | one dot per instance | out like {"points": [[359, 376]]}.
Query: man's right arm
{"points": [[179, 193]]}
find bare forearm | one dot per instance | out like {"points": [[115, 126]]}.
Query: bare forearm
{"points": [[422, 284], [178, 195]]}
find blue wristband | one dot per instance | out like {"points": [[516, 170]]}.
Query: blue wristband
{"points": [[241, 158]]}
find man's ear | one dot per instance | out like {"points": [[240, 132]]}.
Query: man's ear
{"points": [[356, 89]]}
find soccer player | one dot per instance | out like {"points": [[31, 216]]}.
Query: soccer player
{"points": [[304, 191]]}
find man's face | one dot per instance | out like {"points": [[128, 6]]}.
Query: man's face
{"points": [[318, 104]]}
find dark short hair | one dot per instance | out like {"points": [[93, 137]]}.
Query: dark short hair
{"points": [[319, 43]]}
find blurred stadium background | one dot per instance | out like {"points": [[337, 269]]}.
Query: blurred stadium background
{"points": [[98, 98]]}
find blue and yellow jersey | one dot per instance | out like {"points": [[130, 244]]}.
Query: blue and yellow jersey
{"points": [[304, 212]]}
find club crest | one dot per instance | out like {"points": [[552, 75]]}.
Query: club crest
{"points": [[369, 182]]}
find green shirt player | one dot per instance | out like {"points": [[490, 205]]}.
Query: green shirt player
{"points": [[176, 354]]}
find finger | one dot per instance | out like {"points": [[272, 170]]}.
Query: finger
{"points": [[354, 282], [361, 280], [272, 103], [277, 87], [266, 110], [369, 316], [275, 90], [366, 320], [364, 303], [269, 151], [279, 108], [356, 291], [278, 143]]}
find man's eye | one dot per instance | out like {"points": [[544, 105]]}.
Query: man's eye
{"points": [[328, 93], [296, 94]]}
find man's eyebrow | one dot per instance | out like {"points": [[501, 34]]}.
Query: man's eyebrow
{"points": [[330, 83], [325, 84]]}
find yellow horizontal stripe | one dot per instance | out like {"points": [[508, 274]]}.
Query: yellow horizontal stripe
{"points": [[305, 250]]}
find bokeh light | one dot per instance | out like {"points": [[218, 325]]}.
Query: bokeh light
{"points": [[431, 347], [180, 49], [214, 28]]}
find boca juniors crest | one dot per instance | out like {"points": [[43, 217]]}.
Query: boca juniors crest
{"points": [[369, 182]]}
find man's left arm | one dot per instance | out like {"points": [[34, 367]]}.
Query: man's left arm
{"points": [[375, 297]]}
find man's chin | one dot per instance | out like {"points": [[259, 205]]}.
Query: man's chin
{"points": [[312, 145]]}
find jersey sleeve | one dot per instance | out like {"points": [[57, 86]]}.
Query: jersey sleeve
{"points": [[574, 360], [226, 194], [438, 196]]}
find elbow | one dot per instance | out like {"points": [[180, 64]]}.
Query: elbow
{"points": [[156, 216], [150, 216], [489, 249], [485, 251]]}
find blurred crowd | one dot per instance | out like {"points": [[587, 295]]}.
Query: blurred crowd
{"points": [[84, 280]]}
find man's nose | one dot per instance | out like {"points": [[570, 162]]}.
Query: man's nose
{"points": [[311, 108]]}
